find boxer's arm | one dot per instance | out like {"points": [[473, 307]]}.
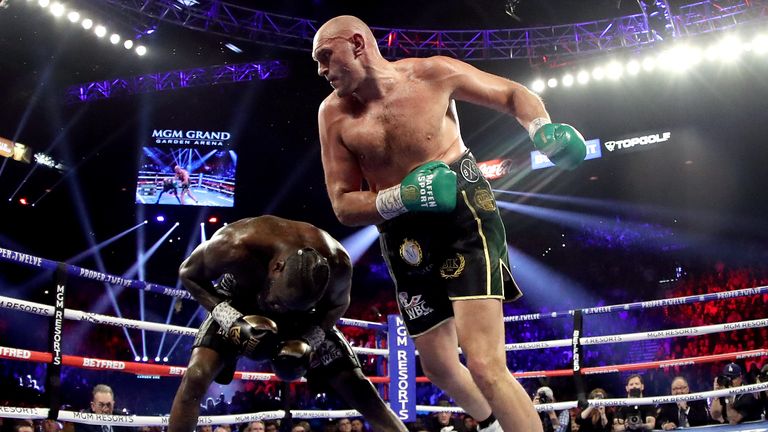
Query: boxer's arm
{"points": [[469, 84], [196, 277], [343, 177]]}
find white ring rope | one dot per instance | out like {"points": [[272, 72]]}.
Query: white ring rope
{"points": [[45, 310], [41, 309], [118, 420]]}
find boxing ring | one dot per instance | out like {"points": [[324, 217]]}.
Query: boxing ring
{"points": [[400, 378], [209, 189]]}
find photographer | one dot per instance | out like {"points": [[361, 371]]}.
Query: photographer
{"points": [[682, 414], [595, 419], [762, 377], [551, 421], [734, 409], [634, 417]]}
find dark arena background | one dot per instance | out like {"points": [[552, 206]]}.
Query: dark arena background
{"points": [[671, 96]]}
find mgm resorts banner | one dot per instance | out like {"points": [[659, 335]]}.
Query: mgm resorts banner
{"points": [[402, 370]]}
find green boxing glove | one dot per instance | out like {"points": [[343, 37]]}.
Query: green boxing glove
{"points": [[429, 188], [561, 143]]}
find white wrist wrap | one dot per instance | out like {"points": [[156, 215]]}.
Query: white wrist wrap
{"points": [[389, 203], [225, 315], [535, 124]]}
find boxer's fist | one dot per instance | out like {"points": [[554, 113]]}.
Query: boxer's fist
{"points": [[246, 332], [251, 332], [429, 188], [291, 362], [561, 143]]}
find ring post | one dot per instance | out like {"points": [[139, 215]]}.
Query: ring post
{"points": [[402, 370], [578, 323], [55, 342]]}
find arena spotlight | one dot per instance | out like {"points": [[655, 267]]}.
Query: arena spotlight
{"points": [[115, 38], [213, 219], [538, 86], [57, 9], [128, 44], [552, 83], [145, 358], [73, 17], [87, 23], [157, 359], [614, 70], [160, 218], [598, 73], [568, 80], [165, 359], [23, 201], [649, 64], [760, 44], [137, 358], [633, 67], [44, 3], [141, 50], [100, 31], [583, 77]]}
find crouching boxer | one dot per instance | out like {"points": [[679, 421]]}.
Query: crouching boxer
{"points": [[281, 287]]}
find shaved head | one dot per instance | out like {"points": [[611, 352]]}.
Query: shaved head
{"points": [[345, 26]]}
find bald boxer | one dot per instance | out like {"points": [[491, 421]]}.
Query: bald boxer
{"points": [[282, 286], [182, 176], [393, 127]]}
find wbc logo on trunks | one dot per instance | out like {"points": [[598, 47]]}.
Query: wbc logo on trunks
{"points": [[410, 252], [415, 307], [469, 171]]}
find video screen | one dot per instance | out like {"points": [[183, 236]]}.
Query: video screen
{"points": [[189, 168]]}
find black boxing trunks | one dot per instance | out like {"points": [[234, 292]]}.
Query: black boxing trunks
{"points": [[333, 355], [169, 185], [438, 258]]}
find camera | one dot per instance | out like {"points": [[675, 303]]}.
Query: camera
{"points": [[724, 381], [634, 418], [762, 376], [543, 398]]}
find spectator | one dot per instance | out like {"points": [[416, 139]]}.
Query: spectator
{"points": [[270, 426], [444, 421], [49, 425], [634, 417], [358, 425], [739, 408], [551, 420], [470, 424], [254, 426], [682, 414], [594, 419], [762, 377], [102, 402], [344, 425], [24, 426]]}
